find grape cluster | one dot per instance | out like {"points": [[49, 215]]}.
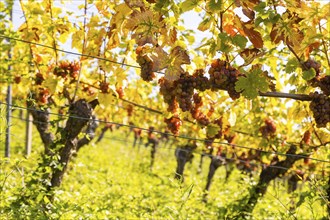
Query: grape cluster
{"points": [[201, 82], [43, 95], [223, 76], [197, 100], [120, 92], [167, 90], [173, 123], [320, 106], [269, 129], [39, 78], [184, 90], [195, 112], [307, 137], [129, 110], [87, 89], [17, 79], [146, 64], [104, 87], [200, 117], [324, 84], [66, 68]]}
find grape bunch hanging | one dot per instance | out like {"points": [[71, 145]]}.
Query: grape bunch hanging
{"points": [[66, 68], [146, 64], [223, 76], [320, 106], [323, 82]]}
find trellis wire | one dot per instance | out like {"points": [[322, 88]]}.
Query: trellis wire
{"points": [[178, 136]]}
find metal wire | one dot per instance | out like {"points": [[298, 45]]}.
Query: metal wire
{"points": [[178, 136]]}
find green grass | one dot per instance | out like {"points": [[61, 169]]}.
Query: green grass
{"points": [[111, 180]]}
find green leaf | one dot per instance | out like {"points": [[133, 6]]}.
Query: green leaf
{"points": [[214, 5], [291, 65], [188, 5], [252, 84], [309, 74], [240, 41], [205, 24], [212, 130]]}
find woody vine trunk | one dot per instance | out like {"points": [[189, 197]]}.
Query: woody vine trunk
{"points": [[268, 174], [59, 152]]}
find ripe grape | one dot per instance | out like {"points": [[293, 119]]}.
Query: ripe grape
{"points": [[324, 84], [184, 90], [17, 79], [269, 129], [66, 68], [43, 95], [88, 90], [320, 106], [104, 87], [199, 116], [201, 82], [129, 110], [39, 78], [120, 92], [307, 137], [173, 124], [146, 64], [219, 122], [168, 93], [224, 77], [197, 100]]}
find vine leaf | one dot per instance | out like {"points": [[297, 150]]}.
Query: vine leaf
{"points": [[146, 25], [249, 55], [253, 35], [291, 65], [106, 99], [54, 85], [178, 57], [252, 84], [188, 5], [240, 41], [309, 74], [205, 24], [214, 5], [212, 130]]}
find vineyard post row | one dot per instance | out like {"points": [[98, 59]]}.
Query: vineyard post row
{"points": [[178, 136]]}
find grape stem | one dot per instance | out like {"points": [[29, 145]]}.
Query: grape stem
{"points": [[301, 97]]}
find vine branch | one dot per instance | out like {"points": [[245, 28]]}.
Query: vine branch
{"points": [[82, 51], [300, 97], [324, 47]]}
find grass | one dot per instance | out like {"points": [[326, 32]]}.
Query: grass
{"points": [[111, 180]]}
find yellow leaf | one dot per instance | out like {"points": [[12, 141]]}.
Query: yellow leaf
{"points": [[107, 99], [51, 83], [77, 39]]}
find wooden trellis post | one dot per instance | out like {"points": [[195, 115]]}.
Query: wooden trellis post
{"points": [[28, 134]]}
